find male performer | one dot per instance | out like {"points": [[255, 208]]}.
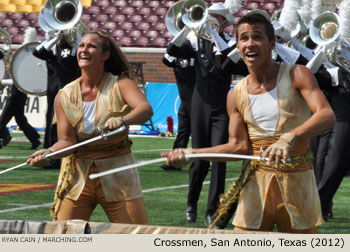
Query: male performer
{"points": [[15, 107], [209, 118], [62, 68], [333, 168], [270, 110], [185, 76]]}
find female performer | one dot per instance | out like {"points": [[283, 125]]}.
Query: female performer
{"points": [[105, 95]]}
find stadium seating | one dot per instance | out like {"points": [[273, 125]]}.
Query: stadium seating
{"points": [[126, 41], [159, 42], [143, 27], [151, 34], [18, 38], [23, 24], [117, 34], [151, 19], [141, 42], [145, 12], [101, 3], [108, 26], [153, 5], [252, 5], [131, 22], [101, 19], [269, 7], [135, 34], [110, 11], [135, 19], [126, 26], [120, 4], [160, 27], [93, 11], [128, 11], [93, 25], [118, 19], [137, 4]]}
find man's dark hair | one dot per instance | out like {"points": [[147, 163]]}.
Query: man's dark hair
{"points": [[257, 18]]}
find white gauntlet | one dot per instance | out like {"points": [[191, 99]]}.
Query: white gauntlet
{"points": [[181, 37], [234, 55], [220, 44]]}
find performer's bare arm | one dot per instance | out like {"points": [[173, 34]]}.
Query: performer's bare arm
{"points": [[65, 133], [131, 94], [322, 117], [238, 137]]}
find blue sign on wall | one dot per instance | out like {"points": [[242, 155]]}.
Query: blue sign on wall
{"points": [[165, 101]]}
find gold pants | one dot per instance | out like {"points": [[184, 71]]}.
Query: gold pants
{"points": [[275, 213], [126, 211]]}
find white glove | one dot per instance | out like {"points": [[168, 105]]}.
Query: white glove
{"points": [[306, 52], [220, 44], [181, 37], [234, 55], [315, 63], [288, 55]]}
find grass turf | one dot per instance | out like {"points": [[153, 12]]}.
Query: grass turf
{"points": [[164, 207]]}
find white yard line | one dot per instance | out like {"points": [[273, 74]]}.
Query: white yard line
{"points": [[155, 150], [13, 157], [25, 208], [144, 191]]}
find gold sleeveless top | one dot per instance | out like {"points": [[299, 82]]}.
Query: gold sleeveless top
{"points": [[297, 183], [103, 154]]}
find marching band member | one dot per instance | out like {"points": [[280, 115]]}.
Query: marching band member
{"points": [[15, 108], [209, 118], [185, 76], [62, 68]]}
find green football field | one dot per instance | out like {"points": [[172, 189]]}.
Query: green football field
{"points": [[27, 193]]}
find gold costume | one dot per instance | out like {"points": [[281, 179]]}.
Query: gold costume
{"points": [[296, 182], [103, 154]]}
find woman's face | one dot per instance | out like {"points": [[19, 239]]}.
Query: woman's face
{"points": [[89, 53]]}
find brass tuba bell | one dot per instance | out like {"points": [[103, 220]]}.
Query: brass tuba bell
{"points": [[61, 14], [325, 28], [173, 18], [196, 13], [62, 18]]}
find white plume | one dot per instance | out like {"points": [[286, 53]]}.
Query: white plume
{"points": [[29, 35], [344, 16], [289, 15], [316, 8], [305, 11], [233, 5]]}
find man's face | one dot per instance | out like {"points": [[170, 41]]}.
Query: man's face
{"points": [[221, 20], [253, 44]]}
